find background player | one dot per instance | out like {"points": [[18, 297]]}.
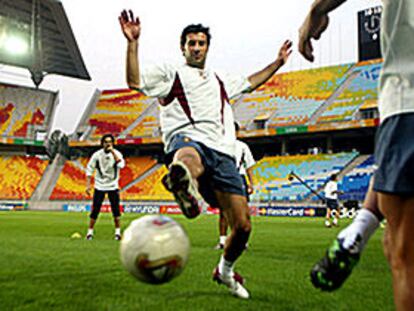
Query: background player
{"points": [[107, 163]]}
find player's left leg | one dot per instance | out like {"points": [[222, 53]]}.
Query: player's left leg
{"points": [[399, 246], [335, 216], [113, 196], [328, 217], [341, 257], [236, 211]]}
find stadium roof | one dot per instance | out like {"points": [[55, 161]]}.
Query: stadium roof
{"points": [[46, 28]]}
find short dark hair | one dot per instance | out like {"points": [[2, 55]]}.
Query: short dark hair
{"points": [[334, 176], [106, 136], [195, 28]]}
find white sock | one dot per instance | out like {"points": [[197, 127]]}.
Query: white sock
{"points": [[335, 221], [223, 239], [117, 231], [225, 267], [364, 224], [90, 231]]}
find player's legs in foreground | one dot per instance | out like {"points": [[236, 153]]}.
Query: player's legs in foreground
{"points": [[222, 230], [181, 180], [334, 268], [98, 197], [236, 211], [399, 246], [116, 213]]}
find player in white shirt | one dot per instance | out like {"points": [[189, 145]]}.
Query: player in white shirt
{"points": [[394, 150], [198, 132], [331, 196], [106, 162]]}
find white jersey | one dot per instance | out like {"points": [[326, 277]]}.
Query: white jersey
{"points": [[331, 189], [244, 157], [194, 103], [397, 44], [107, 171]]}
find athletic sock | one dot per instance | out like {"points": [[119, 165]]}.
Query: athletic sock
{"points": [[222, 239], [364, 225], [335, 221], [225, 267], [90, 232], [117, 231]]}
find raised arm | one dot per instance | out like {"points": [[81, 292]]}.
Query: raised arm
{"points": [[260, 77], [131, 29], [315, 24]]}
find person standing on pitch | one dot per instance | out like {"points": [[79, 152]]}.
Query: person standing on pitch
{"points": [[198, 133], [245, 163], [331, 196], [107, 162], [394, 150]]}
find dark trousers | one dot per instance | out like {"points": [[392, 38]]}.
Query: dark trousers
{"points": [[99, 196]]}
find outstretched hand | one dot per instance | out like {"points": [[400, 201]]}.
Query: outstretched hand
{"points": [[284, 52], [130, 27], [312, 28]]}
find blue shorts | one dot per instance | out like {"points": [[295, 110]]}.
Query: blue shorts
{"points": [[394, 155], [220, 171], [332, 203]]}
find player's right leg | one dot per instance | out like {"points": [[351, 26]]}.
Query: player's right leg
{"points": [[341, 257], [181, 179], [98, 197], [399, 246], [236, 211], [222, 230]]}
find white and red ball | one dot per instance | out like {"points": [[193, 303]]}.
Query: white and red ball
{"points": [[155, 249]]}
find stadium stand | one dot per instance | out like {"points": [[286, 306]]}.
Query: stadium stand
{"points": [[149, 188], [116, 110], [24, 110], [148, 125], [362, 87], [290, 98], [19, 176], [72, 181], [272, 173], [355, 183]]}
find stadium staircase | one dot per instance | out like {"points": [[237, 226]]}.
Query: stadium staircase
{"points": [[150, 110], [40, 197], [313, 119]]}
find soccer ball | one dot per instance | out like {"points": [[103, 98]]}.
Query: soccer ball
{"points": [[154, 249]]}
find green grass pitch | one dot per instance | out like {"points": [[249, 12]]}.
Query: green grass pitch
{"points": [[41, 268]]}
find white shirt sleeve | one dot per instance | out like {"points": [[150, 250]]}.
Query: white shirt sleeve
{"points": [[157, 80], [120, 164], [248, 157], [91, 165], [234, 84]]}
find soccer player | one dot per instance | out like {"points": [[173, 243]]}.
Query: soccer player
{"points": [[107, 162], [198, 133], [394, 151], [245, 163], [331, 196]]}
